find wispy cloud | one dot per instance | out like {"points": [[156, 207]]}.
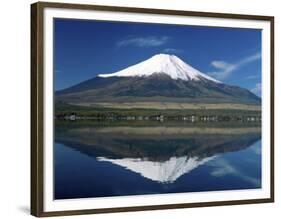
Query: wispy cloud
{"points": [[144, 41], [257, 89], [223, 167], [172, 50], [253, 77], [225, 69]]}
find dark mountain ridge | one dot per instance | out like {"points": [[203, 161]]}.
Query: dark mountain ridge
{"points": [[157, 87]]}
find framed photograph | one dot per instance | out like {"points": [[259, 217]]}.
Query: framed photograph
{"points": [[139, 109]]}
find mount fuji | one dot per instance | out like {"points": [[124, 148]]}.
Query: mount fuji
{"points": [[161, 78]]}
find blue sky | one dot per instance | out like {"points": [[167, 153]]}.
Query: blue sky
{"points": [[84, 49]]}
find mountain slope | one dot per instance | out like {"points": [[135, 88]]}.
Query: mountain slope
{"points": [[162, 78]]}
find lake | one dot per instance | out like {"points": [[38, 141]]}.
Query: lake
{"points": [[117, 159]]}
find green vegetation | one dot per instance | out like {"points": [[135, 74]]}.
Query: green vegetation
{"points": [[65, 111]]}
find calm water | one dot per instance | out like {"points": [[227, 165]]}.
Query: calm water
{"points": [[103, 160]]}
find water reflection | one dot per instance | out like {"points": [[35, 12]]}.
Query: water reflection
{"points": [[163, 171], [164, 154]]}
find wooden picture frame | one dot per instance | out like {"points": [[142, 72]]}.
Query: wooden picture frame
{"points": [[38, 106]]}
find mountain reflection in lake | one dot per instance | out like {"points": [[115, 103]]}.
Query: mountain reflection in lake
{"points": [[111, 160]]}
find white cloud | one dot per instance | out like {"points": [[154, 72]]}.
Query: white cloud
{"points": [[172, 50], [224, 170], [222, 167], [225, 69], [144, 41], [250, 59], [257, 89]]}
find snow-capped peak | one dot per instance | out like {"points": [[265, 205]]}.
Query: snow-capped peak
{"points": [[163, 172], [162, 63]]}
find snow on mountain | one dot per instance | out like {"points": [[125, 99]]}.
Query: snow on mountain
{"points": [[163, 172], [162, 63]]}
